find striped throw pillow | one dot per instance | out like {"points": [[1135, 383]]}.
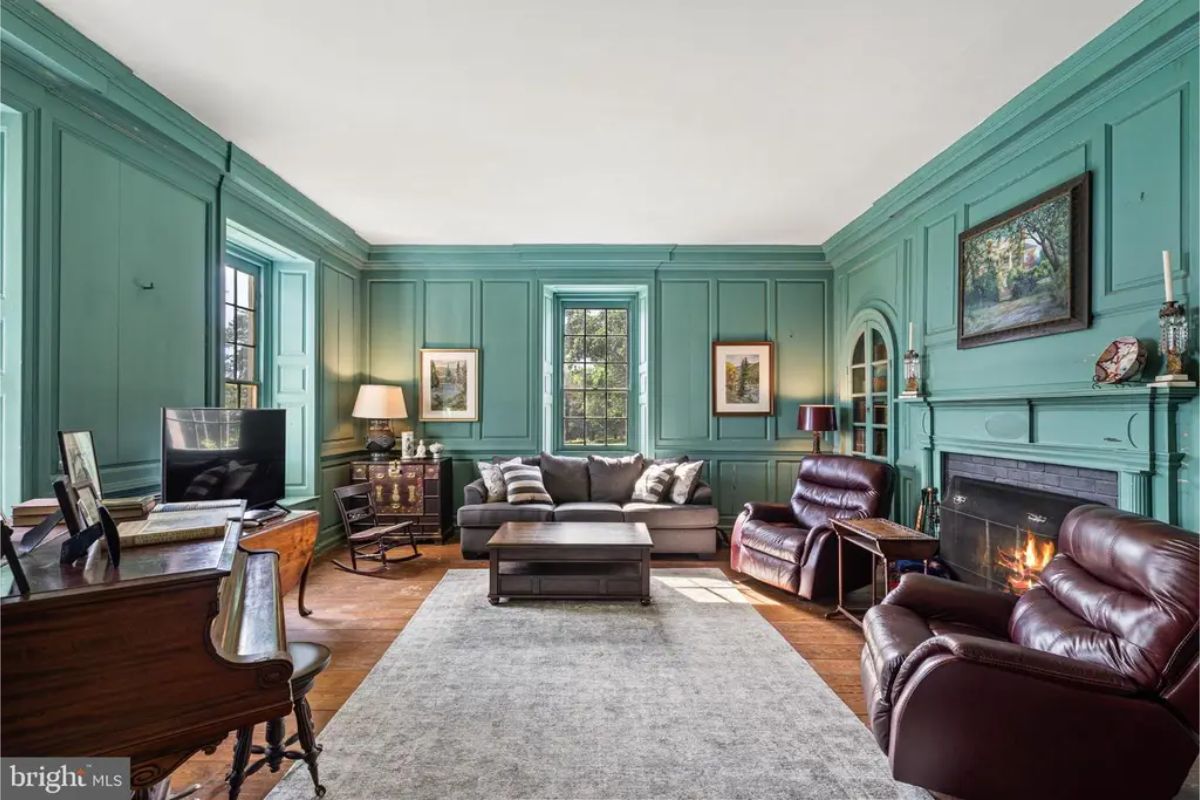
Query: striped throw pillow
{"points": [[687, 477], [524, 484], [653, 483]]}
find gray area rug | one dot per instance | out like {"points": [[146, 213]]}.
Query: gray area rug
{"points": [[694, 696]]}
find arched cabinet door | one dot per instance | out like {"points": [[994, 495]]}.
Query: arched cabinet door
{"points": [[871, 392]]}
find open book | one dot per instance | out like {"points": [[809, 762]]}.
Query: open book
{"points": [[197, 521]]}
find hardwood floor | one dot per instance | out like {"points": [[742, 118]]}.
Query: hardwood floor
{"points": [[358, 617]]}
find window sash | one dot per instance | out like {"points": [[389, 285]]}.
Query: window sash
{"points": [[595, 386], [241, 298]]}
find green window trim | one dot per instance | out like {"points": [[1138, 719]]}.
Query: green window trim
{"points": [[624, 302]]}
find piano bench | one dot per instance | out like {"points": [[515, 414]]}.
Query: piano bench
{"points": [[309, 659]]}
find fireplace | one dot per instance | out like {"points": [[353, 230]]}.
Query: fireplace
{"points": [[999, 535]]}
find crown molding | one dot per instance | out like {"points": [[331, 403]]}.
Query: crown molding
{"points": [[1150, 35], [593, 256]]}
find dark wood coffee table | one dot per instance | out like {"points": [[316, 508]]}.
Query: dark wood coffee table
{"points": [[570, 561]]}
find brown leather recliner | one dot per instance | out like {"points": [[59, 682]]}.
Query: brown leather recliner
{"points": [[1086, 686], [792, 546]]}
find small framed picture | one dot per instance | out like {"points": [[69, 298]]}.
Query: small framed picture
{"points": [[449, 385], [743, 378]]}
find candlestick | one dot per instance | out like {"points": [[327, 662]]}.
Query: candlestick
{"points": [[1167, 284], [1173, 343]]}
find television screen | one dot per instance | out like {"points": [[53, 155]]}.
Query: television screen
{"points": [[223, 453]]}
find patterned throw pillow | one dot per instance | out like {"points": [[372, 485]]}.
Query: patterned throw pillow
{"points": [[524, 484], [687, 476], [493, 479], [653, 483]]}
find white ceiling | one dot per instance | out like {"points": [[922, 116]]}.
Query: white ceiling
{"points": [[624, 121]]}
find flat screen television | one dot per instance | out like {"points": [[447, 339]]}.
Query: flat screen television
{"points": [[223, 454]]}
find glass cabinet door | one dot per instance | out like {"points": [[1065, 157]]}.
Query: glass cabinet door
{"points": [[870, 394]]}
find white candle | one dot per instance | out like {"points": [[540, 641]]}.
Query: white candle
{"points": [[910, 335], [1167, 276]]}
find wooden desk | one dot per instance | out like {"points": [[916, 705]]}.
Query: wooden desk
{"points": [[885, 540], [294, 538]]}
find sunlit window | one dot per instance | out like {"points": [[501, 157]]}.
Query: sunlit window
{"points": [[241, 339], [595, 402]]}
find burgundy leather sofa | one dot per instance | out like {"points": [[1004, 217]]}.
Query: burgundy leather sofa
{"points": [[1084, 687], [792, 546]]}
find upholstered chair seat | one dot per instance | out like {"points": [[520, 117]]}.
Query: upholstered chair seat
{"points": [[792, 546], [1086, 686]]}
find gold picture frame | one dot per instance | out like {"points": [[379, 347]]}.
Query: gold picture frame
{"points": [[449, 384]]}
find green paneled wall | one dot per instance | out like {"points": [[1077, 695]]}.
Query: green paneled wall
{"points": [[1124, 107], [488, 298], [128, 192]]}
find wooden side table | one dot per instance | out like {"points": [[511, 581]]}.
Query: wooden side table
{"points": [[883, 539]]}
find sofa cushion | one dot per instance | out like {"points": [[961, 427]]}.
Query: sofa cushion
{"points": [[566, 478], [524, 484], [612, 479], [669, 515], [493, 515], [687, 478], [779, 539], [653, 483], [588, 512]]}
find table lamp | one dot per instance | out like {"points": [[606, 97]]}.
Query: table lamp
{"points": [[816, 419], [380, 405]]}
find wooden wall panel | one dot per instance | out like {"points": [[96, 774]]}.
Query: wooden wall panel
{"points": [[507, 401], [802, 351], [89, 266], [1145, 209], [742, 315], [684, 354]]}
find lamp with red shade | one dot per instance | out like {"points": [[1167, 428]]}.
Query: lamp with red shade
{"points": [[816, 419]]}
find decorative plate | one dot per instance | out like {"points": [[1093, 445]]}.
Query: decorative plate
{"points": [[1121, 361]]}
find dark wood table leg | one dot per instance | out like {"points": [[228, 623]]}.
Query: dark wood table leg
{"points": [[241, 757], [304, 610], [306, 733], [494, 577], [646, 576]]}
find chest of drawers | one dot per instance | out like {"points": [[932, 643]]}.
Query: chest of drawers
{"points": [[413, 490]]}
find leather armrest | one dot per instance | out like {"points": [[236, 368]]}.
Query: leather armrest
{"points": [[770, 512], [950, 601], [475, 493], [1015, 659]]}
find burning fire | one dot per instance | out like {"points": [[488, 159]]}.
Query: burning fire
{"points": [[1026, 562]]}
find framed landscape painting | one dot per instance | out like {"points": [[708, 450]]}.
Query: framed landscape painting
{"points": [[449, 385], [1027, 272], [743, 378]]}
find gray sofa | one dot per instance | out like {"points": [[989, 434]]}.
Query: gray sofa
{"points": [[589, 491]]}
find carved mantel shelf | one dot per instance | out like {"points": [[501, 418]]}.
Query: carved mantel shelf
{"points": [[1140, 432]]}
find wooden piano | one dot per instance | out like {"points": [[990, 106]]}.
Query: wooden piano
{"points": [[153, 660]]}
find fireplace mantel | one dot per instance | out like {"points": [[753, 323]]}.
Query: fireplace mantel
{"points": [[1140, 432]]}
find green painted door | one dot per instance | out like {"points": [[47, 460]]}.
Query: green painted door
{"points": [[10, 308]]}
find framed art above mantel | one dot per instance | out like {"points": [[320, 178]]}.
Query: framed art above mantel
{"points": [[1027, 272]]}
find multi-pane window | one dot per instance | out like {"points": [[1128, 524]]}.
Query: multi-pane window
{"points": [[595, 402], [241, 339]]}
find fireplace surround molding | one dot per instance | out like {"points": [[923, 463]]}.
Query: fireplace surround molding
{"points": [[1142, 434]]}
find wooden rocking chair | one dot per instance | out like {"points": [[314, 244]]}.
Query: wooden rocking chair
{"points": [[365, 537]]}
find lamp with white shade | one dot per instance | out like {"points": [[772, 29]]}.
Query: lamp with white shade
{"points": [[380, 404]]}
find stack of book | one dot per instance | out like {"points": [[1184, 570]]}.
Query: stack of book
{"points": [[128, 508], [181, 522], [32, 512]]}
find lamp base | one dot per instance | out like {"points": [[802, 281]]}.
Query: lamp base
{"points": [[816, 437], [380, 439]]}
